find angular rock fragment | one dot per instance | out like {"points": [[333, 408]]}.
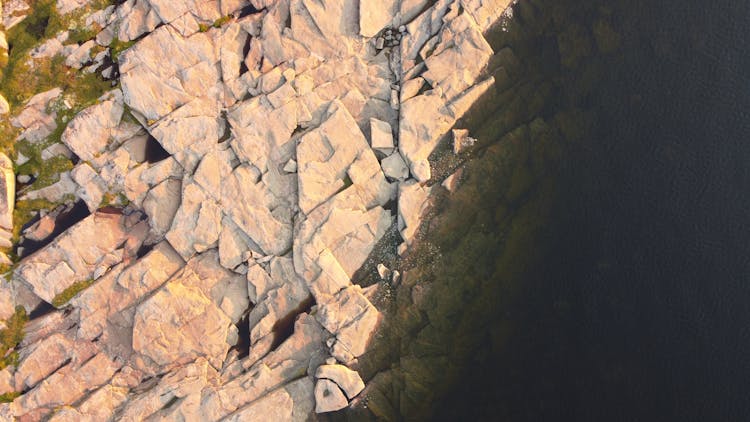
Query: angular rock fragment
{"points": [[90, 132], [66, 261], [7, 192], [329, 397], [177, 325], [349, 381], [395, 167], [381, 135]]}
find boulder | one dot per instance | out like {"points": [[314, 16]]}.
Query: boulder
{"points": [[349, 381], [81, 55], [78, 379], [91, 186], [412, 202], [451, 182], [44, 358], [161, 204], [381, 136], [277, 368], [4, 106], [278, 303], [80, 252], [374, 16], [395, 167], [197, 223], [89, 133], [186, 382], [424, 120], [294, 402], [135, 19], [351, 318], [179, 324], [329, 397], [117, 291], [7, 192], [233, 244]]}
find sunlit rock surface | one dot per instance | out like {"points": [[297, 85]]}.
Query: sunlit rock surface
{"points": [[238, 177]]}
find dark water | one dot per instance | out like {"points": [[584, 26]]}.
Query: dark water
{"points": [[595, 264], [640, 308]]}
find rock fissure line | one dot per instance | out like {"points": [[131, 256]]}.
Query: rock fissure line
{"points": [[290, 137]]}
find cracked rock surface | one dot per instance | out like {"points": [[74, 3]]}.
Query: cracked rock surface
{"points": [[292, 135]]}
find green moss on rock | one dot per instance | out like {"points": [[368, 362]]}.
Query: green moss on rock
{"points": [[11, 336], [63, 298]]}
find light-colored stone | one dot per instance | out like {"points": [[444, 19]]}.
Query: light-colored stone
{"points": [[383, 271], [374, 16], [277, 303], [67, 6], [329, 397], [461, 140], [196, 224], [233, 244], [290, 166], [81, 55], [412, 202], [381, 136], [161, 204], [91, 186], [293, 403], [7, 192], [349, 381], [451, 182], [76, 254], [4, 106], [179, 324], [88, 134], [395, 167], [351, 318]]}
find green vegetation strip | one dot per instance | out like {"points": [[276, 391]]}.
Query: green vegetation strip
{"points": [[11, 336], [63, 298]]}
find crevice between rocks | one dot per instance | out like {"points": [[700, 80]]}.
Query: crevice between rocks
{"points": [[284, 327]]}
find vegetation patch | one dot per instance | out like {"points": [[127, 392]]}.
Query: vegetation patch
{"points": [[116, 47], [9, 397], [61, 299], [218, 23], [11, 336]]}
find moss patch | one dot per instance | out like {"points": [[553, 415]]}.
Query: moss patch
{"points": [[11, 336], [116, 47], [218, 23], [63, 298], [9, 397]]}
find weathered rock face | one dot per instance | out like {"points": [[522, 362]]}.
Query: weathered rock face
{"points": [[7, 202], [197, 328], [91, 131], [290, 136], [87, 250]]}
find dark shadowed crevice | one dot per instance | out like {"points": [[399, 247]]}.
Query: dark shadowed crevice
{"points": [[227, 129], [171, 403], [245, 52], [154, 151], [41, 310], [144, 250], [243, 332], [249, 10], [284, 328], [67, 217]]}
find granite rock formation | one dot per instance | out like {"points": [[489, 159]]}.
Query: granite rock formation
{"points": [[294, 135]]}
